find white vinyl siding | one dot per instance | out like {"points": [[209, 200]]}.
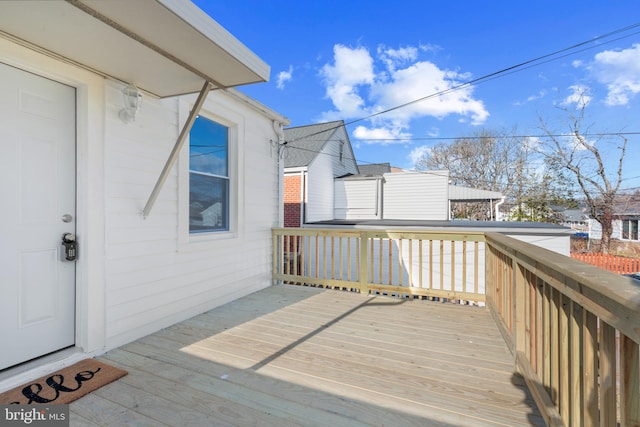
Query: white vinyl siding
{"points": [[618, 225], [357, 199], [419, 195], [320, 188], [342, 164], [156, 273], [326, 166]]}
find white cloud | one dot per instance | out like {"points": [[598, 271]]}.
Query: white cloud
{"points": [[539, 95], [352, 68], [393, 57], [580, 96], [418, 153], [359, 86], [380, 135], [620, 72], [283, 77]]}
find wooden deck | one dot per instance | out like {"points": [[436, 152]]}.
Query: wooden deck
{"points": [[291, 356]]}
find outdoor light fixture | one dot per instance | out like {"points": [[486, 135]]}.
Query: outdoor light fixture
{"points": [[132, 100]]}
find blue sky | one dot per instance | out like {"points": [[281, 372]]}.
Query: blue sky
{"points": [[349, 59]]}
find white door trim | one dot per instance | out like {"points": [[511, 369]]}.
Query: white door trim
{"points": [[90, 178]]}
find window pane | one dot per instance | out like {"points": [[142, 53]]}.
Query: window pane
{"points": [[634, 230], [209, 147], [625, 228], [208, 176], [208, 203]]}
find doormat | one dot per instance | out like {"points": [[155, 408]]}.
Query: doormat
{"points": [[65, 385]]}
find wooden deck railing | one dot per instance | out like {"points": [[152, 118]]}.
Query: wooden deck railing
{"points": [[574, 329], [434, 265]]}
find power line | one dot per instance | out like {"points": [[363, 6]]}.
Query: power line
{"points": [[509, 70], [505, 71], [453, 138], [434, 172]]}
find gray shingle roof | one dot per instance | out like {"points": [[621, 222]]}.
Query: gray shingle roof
{"points": [[375, 169], [305, 142]]}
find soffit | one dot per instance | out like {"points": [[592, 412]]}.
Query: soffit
{"points": [[165, 47]]}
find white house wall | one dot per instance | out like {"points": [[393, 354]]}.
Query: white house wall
{"points": [[347, 165], [559, 243], [419, 196], [320, 188], [595, 229], [156, 273], [357, 199]]}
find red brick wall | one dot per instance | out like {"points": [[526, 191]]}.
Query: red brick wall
{"points": [[292, 199]]}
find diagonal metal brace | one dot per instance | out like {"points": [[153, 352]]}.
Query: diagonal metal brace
{"points": [[176, 148]]}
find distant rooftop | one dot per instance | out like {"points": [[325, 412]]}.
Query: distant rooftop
{"points": [[305, 142], [374, 169]]}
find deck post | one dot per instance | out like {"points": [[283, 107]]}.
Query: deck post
{"points": [[364, 270], [275, 252], [630, 387]]}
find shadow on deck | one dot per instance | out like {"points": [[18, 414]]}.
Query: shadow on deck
{"points": [[291, 355]]}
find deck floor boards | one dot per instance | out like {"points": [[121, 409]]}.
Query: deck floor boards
{"points": [[289, 356]]}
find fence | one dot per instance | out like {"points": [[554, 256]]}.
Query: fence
{"points": [[616, 264]]}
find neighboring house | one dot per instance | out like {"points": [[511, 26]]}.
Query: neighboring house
{"points": [[322, 182], [492, 200], [626, 220], [314, 156], [401, 195], [164, 230], [576, 219], [425, 195], [381, 199]]}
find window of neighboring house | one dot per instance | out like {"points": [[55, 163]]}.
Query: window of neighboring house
{"points": [[208, 176], [630, 229], [341, 148]]}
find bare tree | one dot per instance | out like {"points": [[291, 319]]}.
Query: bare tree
{"points": [[498, 161], [486, 160], [584, 159]]}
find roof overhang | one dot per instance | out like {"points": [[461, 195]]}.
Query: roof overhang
{"points": [[165, 47], [467, 194]]}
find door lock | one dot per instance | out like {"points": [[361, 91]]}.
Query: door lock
{"points": [[70, 246]]}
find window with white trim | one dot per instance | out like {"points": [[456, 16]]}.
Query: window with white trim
{"points": [[630, 229], [208, 176]]}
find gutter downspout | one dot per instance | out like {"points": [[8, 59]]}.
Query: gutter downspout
{"points": [[303, 186], [176, 149], [277, 128], [380, 198]]}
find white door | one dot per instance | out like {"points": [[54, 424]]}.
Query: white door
{"points": [[37, 205]]}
